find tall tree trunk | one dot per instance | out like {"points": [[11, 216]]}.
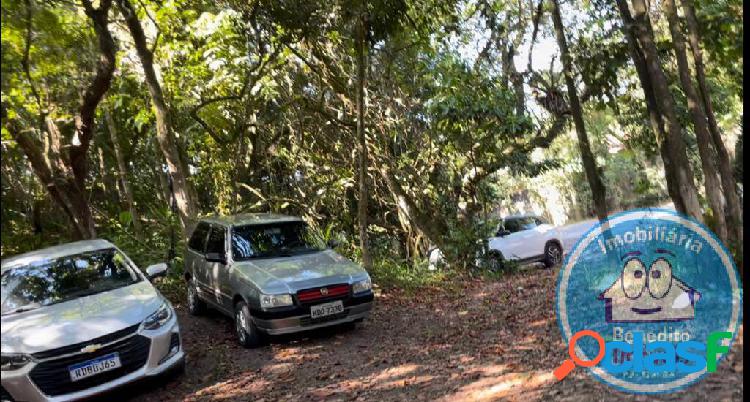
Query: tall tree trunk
{"points": [[589, 162], [655, 118], [728, 180], [164, 194], [675, 143], [700, 123], [362, 139], [64, 176], [122, 173], [109, 187], [167, 140]]}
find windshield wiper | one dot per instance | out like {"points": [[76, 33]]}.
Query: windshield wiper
{"points": [[21, 309]]}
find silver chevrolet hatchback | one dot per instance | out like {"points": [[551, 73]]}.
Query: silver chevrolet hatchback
{"points": [[80, 319], [266, 272]]}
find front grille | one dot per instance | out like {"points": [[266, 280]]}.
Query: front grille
{"points": [[307, 321], [102, 340], [53, 378], [332, 292]]}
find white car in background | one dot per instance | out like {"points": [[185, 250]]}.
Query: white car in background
{"points": [[527, 239], [521, 238]]}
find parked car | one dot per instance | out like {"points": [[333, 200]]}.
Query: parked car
{"points": [[527, 239], [80, 319], [521, 238], [266, 272]]}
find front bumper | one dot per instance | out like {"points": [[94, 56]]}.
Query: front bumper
{"points": [[20, 386], [298, 319]]}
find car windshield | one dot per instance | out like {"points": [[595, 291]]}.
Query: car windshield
{"points": [[49, 281], [271, 240], [518, 224]]}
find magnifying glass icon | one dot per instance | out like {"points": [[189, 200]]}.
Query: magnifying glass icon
{"points": [[568, 365]]}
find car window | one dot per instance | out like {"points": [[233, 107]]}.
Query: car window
{"points": [[198, 239], [57, 280], [512, 225], [271, 240], [519, 224], [215, 242]]}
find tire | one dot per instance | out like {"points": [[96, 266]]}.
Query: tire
{"points": [[495, 261], [553, 254], [247, 333], [195, 305]]}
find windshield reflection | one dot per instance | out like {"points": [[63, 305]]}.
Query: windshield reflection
{"points": [[271, 240], [51, 281]]}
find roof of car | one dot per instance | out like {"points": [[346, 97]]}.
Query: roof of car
{"points": [[250, 219], [58, 251], [519, 216]]}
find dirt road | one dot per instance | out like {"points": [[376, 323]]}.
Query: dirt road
{"points": [[486, 341]]}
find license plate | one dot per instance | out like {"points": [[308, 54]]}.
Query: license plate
{"points": [[326, 309], [93, 367]]}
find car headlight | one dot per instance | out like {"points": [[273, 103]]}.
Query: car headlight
{"points": [[362, 286], [268, 301], [14, 361], [159, 318]]}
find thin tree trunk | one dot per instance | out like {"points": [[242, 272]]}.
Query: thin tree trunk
{"points": [[362, 139], [167, 140], [728, 180], [122, 173], [675, 144], [164, 193], [655, 118], [109, 188], [589, 162], [700, 123]]}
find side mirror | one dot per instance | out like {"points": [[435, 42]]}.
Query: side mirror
{"points": [[156, 270], [503, 232], [216, 257], [333, 243]]}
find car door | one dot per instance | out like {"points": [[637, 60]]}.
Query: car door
{"points": [[217, 271], [509, 244], [517, 239], [194, 256]]}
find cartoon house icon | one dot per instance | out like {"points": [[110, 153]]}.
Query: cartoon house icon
{"points": [[645, 294]]}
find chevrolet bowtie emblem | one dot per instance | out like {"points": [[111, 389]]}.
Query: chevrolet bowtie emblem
{"points": [[91, 348], [324, 291]]}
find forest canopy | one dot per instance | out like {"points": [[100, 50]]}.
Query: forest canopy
{"points": [[393, 126]]}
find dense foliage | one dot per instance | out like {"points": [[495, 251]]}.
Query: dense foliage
{"points": [[262, 102]]}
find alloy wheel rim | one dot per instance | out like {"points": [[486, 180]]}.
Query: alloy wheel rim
{"points": [[554, 254], [240, 325], [191, 298]]}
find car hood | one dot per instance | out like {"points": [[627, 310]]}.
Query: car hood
{"points": [[304, 271], [78, 320]]}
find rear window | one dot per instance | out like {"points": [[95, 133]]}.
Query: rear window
{"points": [[198, 239]]}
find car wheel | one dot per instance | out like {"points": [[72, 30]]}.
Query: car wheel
{"points": [[195, 305], [552, 254], [495, 261], [247, 333]]}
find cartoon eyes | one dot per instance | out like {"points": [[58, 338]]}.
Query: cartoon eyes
{"points": [[659, 278], [635, 277]]}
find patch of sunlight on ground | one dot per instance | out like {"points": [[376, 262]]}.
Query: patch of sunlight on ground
{"points": [[505, 386]]}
